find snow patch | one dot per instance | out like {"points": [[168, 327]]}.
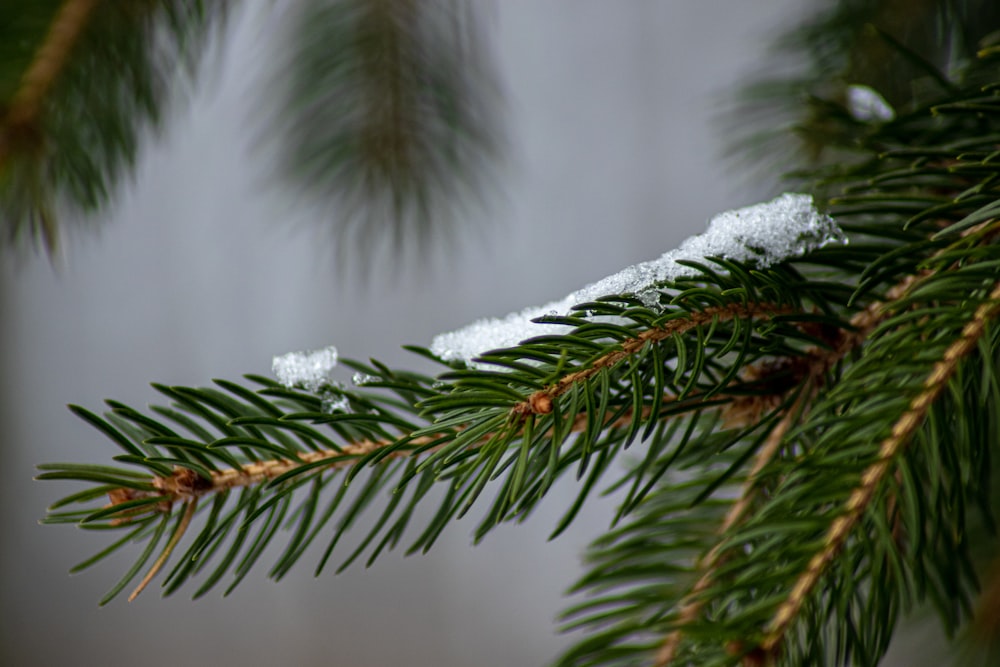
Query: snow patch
{"points": [[309, 370], [333, 402], [762, 235], [866, 105]]}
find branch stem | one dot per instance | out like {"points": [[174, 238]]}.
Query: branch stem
{"points": [[540, 402], [862, 323], [185, 484], [48, 64]]}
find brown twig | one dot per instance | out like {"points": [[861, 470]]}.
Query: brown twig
{"points": [[540, 402], [186, 484], [48, 64]]}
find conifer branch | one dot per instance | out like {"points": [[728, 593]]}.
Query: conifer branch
{"points": [[21, 127], [185, 485], [692, 603], [184, 470], [77, 97], [68, 25], [540, 402], [52, 56], [820, 362], [389, 113], [859, 500]]}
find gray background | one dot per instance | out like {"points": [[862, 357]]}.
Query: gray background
{"points": [[206, 271]]}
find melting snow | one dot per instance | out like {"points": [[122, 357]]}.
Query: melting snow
{"points": [[309, 370], [866, 105], [361, 379], [763, 234], [332, 402]]}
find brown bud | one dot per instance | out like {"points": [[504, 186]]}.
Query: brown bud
{"points": [[540, 402]]}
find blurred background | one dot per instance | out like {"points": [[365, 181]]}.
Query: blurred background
{"points": [[206, 268]]}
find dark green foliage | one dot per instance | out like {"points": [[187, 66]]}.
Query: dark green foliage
{"points": [[459, 429], [388, 117], [21, 32], [913, 56], [385, 113], [923, 180], [63, 158]]}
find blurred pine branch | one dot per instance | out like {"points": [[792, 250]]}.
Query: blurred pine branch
{"points": [[389, 119], [384, 111], [80, 82]]}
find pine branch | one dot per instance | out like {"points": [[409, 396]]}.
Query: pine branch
{"points": [[388, 119], [819, 361], [692, 603], [861, 498], [85, 87], [942, 218], [21, 125], [184, 484], [913, 59], [461, 446], [50, 60], [862, 325]]}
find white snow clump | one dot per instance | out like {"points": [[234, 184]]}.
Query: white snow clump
{"points": [[310, 370], [763, 234], [331, 402], [866, 105], [361, 379]]}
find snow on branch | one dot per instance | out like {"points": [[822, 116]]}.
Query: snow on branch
{"points": [[762, 235], [866, 105], [310, 370]]}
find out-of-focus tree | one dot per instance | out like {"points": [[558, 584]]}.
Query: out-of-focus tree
{"points": [[383, 111]]}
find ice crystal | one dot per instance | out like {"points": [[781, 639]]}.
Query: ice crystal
{"points": [[361, 379], [333, 402]]}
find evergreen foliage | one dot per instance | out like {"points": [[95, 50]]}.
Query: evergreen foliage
{"points": [[388, 117], [811, 446], [384, 111], [79, 81]]}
